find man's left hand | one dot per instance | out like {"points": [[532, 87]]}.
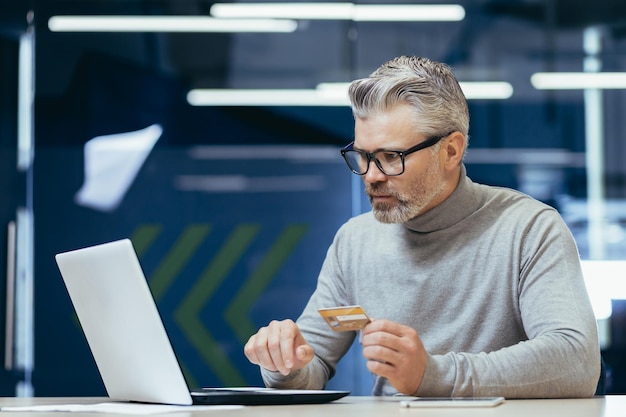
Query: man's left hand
{"points": [[395, 352]]}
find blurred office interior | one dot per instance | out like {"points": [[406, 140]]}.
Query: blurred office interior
{"points": [[209, 135]]}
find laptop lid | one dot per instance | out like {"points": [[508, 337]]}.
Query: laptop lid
{"points": [[122, 325], [128, 341]]}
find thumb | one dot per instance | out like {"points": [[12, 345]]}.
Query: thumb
{"points": [[304, 353]]}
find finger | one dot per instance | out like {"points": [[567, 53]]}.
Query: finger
{"points": [[380, 368], [249, 351], [278, 345], [260, 348], [382, 339], [289, 335], [388, 326], [380, 354]]}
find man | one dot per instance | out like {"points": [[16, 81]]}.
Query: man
{"points": [[474, 290]]}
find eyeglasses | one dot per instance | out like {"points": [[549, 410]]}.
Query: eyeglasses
{"points": [[390, 163]]}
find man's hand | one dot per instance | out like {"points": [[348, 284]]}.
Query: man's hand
{"points": [[395, 351], [279, 347]]}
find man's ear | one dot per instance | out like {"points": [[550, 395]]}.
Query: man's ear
{"points": [[454, 148]]}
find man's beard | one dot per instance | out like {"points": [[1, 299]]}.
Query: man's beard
{"points": [[422, 192]]}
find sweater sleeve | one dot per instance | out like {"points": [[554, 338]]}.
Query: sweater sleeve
{"points": [[561, 357], [313, 376]]}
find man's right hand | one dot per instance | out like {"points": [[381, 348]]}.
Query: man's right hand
{"points": [[279, 347]]}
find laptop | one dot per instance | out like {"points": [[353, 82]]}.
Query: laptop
{"points": [[129, 342]]}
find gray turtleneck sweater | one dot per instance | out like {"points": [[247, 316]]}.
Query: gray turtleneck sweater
{"points": [[491, 281]]}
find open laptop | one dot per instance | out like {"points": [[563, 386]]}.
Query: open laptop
{"points": [[128, 340]]}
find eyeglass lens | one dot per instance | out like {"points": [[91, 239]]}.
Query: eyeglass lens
{"points": [[389, 162]]}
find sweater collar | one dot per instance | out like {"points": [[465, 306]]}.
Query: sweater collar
{"points": [[463, 201]]}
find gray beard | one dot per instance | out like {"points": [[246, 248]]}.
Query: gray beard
{"points": [[401, 213], [410, 205]]}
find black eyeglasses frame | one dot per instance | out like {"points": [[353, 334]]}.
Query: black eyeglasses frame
{"points": [[431, 141]]}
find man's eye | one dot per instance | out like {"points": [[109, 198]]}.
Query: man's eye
{"points": [[389, 157]]}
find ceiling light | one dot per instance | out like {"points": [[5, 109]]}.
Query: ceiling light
{"points": [[326, 94], [408, 13], [578, 80], [480, 90], [265, 97], [341, 11], [313, 11], [473, 90], [166, 24]]}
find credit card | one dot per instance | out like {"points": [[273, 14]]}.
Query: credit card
{"points": [[342, 319]]}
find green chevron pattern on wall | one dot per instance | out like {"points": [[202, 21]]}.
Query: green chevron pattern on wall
{"points": [[236, 313]]}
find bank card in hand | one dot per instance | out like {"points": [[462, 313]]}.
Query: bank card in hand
{"points": [[342, 319]]}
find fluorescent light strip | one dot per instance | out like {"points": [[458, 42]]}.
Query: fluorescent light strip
{"points": [[492, 90], [341, 11], [326, 94], [408, 13], [267, 97], [25, 97], [313, 11], [167, 24], [578, 80], [473, 90]]}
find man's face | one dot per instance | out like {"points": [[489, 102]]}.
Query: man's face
{"points": [[422, 186]]}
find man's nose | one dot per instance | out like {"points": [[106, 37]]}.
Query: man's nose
{"points": [[374, 174]]}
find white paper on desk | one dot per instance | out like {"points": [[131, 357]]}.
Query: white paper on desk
{"points": [[121, 408]]}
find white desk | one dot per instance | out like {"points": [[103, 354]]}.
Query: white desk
{"points": [[609, 406]]}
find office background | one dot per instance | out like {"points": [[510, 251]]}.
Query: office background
{"points": [[231, 206]]}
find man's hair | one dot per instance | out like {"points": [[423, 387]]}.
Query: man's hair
{"points": [[429, 87]]}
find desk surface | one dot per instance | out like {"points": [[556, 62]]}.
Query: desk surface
{"points": [[608, 406]]}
